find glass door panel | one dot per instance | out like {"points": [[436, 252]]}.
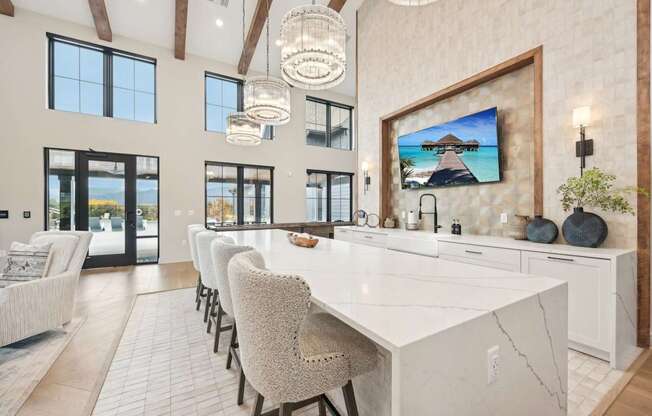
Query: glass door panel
{"points": [[106, 207], [147, 211]]}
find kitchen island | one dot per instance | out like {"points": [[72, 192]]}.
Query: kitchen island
{"points": [[454, 339]]}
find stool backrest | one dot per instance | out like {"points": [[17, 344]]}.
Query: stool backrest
{"points": [[206, 266], [193, 229], [269, 310], [222, 252]]}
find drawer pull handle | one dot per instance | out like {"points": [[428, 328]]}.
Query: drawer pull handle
{"points": [[368, 236], [473, 252], [560, 258]]}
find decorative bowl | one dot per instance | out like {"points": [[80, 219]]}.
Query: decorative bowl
{"points": [[303, 240]]}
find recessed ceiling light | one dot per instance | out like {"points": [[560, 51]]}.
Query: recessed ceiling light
{"points": [[219, 22], [278, 42]]}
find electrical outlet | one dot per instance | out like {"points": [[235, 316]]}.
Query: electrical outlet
{"points": [[191, 212], [493, 364], [503, 218]]}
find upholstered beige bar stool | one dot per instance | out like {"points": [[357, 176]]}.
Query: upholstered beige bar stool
{"points": [[222, 252], [193, 229], [290, 356]]}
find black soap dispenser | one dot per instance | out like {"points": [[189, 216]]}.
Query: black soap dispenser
{"points": [[456, 228]]}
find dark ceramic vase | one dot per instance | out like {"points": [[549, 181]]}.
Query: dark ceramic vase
{"points": [[584, 229], [542, 230]]}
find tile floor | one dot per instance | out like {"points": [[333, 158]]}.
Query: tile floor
{"points": [[165, 365]]}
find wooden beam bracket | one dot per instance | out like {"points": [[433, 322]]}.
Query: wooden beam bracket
{"points": [[101, 19]]}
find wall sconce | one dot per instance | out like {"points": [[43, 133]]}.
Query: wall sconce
{"points": [[584, 147], [365, 175]]}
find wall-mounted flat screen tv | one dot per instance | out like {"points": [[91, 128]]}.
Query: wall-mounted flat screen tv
{"points": [[464, 151]]}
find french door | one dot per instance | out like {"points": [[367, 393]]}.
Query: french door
{"points": [[114, 196], [107, 207]]}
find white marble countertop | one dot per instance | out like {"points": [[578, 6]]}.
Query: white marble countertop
{"points": [[501, 242], [393, 298]]}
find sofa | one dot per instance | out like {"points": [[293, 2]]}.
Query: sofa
{"points": [[32, 307]]}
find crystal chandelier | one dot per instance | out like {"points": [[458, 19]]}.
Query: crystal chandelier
{"points": [[412, 2], [241, 130], [313, 55], [267, 99]]}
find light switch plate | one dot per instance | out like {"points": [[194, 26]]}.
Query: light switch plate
{"points": [[191, 212], [177, 212]]}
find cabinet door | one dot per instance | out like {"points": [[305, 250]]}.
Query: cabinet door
{"points": [[588, 294], [343, 234]]}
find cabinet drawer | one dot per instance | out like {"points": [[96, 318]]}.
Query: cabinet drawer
{"points": [[423, 247], [497, 258], [343, 234], [370, 239]]}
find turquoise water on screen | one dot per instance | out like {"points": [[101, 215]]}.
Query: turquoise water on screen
{"points": [[483, 164]]}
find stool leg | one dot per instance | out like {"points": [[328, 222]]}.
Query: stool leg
{"points": [[229, 358], [258, 405], [218, 327], [208, 301], [241, 387], [285, 409], [200, 289], [322, 407], [212, 312], [349, 399]]}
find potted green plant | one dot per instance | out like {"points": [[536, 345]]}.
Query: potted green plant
{"points": [[594, 189]]}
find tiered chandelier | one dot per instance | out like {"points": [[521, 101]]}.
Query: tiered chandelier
{"points": [[313, 53], [240, 129], [267, 99]]}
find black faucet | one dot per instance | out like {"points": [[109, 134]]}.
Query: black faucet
{"points": [[434, 213]]}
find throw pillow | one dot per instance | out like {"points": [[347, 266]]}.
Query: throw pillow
{"points": [[25, 262]]}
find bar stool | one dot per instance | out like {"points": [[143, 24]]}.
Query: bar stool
{"points": [[222, 252], [209, 278], [193, 229], [290, 356]]}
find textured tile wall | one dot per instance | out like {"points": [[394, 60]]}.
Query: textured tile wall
{"points": [[406, 53], [478, 207]]}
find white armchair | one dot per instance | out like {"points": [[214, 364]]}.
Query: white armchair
{"points": [[30, 308]]}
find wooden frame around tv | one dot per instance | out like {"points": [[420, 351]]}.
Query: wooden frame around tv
{"points": [[531, 57]]}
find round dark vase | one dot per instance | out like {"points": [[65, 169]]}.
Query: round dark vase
{"points": [[542, 230], [584, 229]]}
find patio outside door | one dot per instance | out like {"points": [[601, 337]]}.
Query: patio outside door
{"points": [[107, 207]]}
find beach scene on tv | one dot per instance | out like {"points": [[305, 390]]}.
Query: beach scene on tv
{"points": [[459, 152]]}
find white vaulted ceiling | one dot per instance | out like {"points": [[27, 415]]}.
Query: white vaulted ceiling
{"points": [[152, 21]]}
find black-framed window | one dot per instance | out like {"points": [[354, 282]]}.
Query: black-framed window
{"points": [[98, 80], [329, 124], [223, 95], [329, 196], [238, 194]]}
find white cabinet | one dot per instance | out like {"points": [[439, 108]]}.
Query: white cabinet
{"points": [[343, 234], [406, 244], [497, 258], [370, 238], [589, 296]]}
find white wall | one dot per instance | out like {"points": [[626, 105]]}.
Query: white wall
{"points": [[179, 139]]}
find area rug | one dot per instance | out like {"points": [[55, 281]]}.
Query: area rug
{"points": [[165, 365], [23, 364]]}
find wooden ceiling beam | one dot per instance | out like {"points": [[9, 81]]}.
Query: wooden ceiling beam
{"points": [[101, 19], [337, 5], [180, 28], [7, 8], [255, 29]]}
